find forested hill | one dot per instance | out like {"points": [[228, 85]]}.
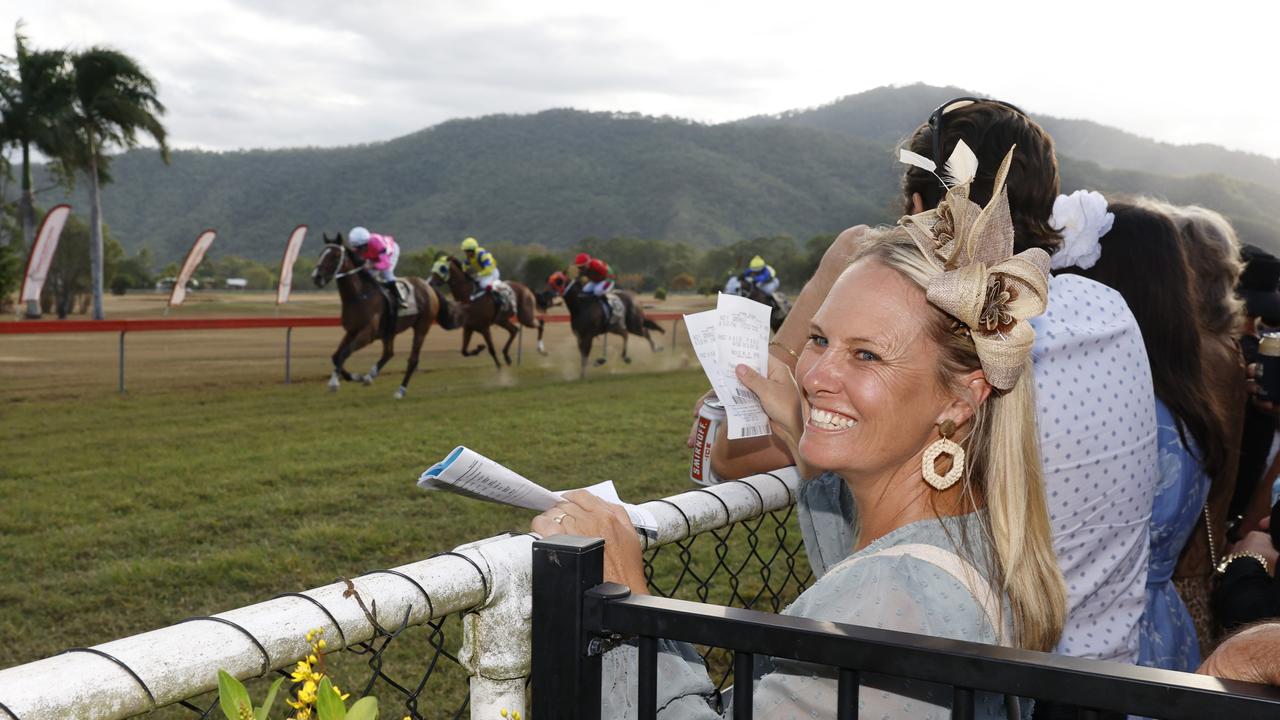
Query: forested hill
{"points": [[887, 115], [559, 176]]}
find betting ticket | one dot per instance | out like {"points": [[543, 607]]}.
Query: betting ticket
{"points": [[467, 472], [735, 333]]}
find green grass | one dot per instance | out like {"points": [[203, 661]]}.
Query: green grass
{"points": [[123, 515], [128, 514]]}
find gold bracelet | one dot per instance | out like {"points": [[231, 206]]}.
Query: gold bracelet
{"points": [[792, 353], [1226, 561]]}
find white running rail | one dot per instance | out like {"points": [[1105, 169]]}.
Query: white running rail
{"points": [[489, 579]]}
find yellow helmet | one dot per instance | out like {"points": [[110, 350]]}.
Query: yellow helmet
{"points": [[757, 263], [470, 244]]}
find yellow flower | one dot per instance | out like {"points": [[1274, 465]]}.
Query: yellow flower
{"points": [[301, 672], [339, 693], [245, 711], [321, 645], [313, 659]]}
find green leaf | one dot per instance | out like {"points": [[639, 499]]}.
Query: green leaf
{"points": [[231, 695], [261, 713], [328, 705], [364, 709]]}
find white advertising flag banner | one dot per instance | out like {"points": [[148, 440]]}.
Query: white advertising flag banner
{"points": [[194, 257], [286, 265], [42, 251]]}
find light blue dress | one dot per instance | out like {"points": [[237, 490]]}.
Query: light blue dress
{"points": [[1167, 636], [899, 592]]}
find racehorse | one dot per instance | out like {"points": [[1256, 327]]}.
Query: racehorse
{"points": [[481, 313], [364, 307], [779, 303], [588, 320]]}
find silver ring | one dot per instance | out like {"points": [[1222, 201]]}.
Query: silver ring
{"points": [[559, 518]]}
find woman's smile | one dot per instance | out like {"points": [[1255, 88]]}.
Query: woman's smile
{"points": [[829, 420]]}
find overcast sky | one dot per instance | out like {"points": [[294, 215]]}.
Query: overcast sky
{"points": [[277, 73]]}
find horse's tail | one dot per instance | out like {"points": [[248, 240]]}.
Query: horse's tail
{"points": [[653, 325], [526, 305]]}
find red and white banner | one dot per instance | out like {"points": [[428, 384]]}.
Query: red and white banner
{"points": [[42, 251], [286, 265], [194, 257]]}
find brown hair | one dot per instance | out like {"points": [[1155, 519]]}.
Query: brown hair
{"points": [[990, 129], [1144, 259]]}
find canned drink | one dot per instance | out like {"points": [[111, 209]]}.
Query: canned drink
{"points": [[709, 419]]}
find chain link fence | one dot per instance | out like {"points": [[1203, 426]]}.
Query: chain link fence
{"points": [[420, 669]]}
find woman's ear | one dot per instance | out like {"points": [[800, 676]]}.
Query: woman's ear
{"points": [[917, 203], [974, 391]]}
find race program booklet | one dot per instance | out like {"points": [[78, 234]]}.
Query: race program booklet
{"points": [[467, 472], [735, 333]]}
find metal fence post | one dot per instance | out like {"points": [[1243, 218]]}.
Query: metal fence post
{"points": [[288, 346], [122, 362], [566, 680]]}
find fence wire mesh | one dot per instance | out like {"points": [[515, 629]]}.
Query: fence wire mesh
{"points": [[414, 670]]}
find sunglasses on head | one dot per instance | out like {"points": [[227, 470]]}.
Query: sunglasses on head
{"points": [[936, 119]]}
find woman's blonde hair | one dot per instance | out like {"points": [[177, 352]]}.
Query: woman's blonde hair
{"points": [[1002, 463]]}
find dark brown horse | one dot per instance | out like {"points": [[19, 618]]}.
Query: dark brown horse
{"points": [[364, 309], [480, 313], [588, 320]]}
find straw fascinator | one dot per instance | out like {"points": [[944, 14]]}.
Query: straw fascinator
{"points": [[991, 292]]}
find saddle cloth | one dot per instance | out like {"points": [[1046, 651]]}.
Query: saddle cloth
{"points": [[506, 297], [503, 293], [408, 299], [617, 312]]}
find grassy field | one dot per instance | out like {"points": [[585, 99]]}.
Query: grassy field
{"points": [[213, 485]]}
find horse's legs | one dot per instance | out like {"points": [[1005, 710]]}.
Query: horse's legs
{"points": [[625, 357], [388, 352], [511, 329], [541, 325], [339, 357], [584, 348], [488, 338], [418, 337]]}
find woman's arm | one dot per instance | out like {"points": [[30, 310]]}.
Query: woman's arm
{"points": [[740, 458]]}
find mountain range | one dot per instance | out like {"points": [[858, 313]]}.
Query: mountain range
{"points": [[559, 176]]}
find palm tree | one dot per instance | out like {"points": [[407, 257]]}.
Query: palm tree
{"points": [[114, 100], [35, 106]]}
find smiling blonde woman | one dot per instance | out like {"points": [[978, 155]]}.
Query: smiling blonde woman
{"points": [[912, 393]]}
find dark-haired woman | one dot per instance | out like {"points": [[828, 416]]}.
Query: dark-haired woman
{"points": [[1142, 257]]}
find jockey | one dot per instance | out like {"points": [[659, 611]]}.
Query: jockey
{"points": [[481, 265], [581, 262], [380, 254], [599, 277], [762, 275]]}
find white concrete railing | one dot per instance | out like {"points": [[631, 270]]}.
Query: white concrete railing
{"points": [[490, 579]]}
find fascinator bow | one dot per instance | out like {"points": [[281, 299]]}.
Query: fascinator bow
{"points": [[990, 291]]}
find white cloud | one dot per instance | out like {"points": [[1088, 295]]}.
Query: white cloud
{"points": [[248, 73]]}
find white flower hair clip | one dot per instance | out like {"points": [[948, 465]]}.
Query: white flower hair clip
{"points": [[1082, 218]]}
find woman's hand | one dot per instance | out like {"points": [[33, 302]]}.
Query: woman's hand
{"points": [[1259, 543], [784, 403], [581, 513], [781, 398]]}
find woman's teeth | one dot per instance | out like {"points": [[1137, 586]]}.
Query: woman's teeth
{"points": [[830, 421]]}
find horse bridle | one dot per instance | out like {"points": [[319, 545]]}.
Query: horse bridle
{"points": [[342, 258]]}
